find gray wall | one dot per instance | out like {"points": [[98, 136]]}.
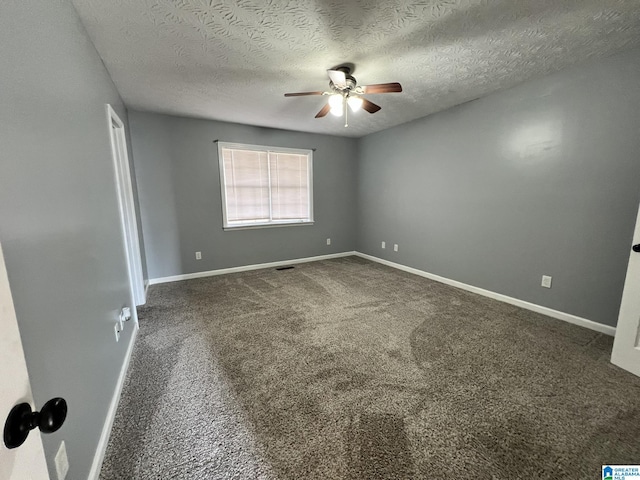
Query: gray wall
{"points": [[539, 179], [179, 187], [59, 222]]}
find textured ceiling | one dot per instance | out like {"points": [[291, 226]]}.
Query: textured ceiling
{"points": [[233, 60]]}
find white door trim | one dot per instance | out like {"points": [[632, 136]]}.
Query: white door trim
{"points": [[126, 203], [626, 345], [26, 461]]}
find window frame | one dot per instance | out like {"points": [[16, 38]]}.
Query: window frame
{"points": [[268, 150]]}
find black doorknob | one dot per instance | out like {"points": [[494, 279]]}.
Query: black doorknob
{"points": [[636, 248], [22, 420]]}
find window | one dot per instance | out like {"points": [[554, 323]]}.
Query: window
{"points": [[265, 186]]}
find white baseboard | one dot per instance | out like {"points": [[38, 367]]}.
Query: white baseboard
{"points": [[244, 268], [567, 317], [98, 458]]}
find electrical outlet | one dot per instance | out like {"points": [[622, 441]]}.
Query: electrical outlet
{"points": [[328, 241], [384, 245], [62, 462], [198, 255], [546, 281], [395, 247], [117, 330]]}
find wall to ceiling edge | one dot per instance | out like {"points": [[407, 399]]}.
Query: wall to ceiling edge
{"points": [[540, 179]]}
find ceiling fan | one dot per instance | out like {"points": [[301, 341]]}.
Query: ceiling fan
{"points": [[344, 90]]}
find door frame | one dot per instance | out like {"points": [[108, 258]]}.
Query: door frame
{"points": [[626, 345], [128, 217]]}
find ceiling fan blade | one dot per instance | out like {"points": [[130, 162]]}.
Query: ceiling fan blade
{"points": [[324, 111], [370, 106], [382, 88], [338, 78], [302, 94]]}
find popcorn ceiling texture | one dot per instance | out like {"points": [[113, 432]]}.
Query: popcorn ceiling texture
{"points": [[233, 60], [347, 369]]}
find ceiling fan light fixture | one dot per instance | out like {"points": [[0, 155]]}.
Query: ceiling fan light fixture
{"points": [[355, 103], [336, 104], [337, 111], [344, 90]]}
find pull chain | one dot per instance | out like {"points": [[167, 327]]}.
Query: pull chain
{"points": [[346, 112]]}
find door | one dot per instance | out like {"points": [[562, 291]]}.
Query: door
{"points": [[626, 346], [26, 461], [127, 205]]}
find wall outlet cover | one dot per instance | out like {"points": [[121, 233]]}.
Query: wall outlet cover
{"points": [[198, 255], [384, 245], [328, 241], [395, 247], [62, 462], [546, 281]]}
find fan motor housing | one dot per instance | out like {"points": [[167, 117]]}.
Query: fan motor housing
{"points": [[349, 80]]}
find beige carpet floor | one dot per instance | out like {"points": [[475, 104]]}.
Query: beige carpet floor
{"points": [[347, 369]]}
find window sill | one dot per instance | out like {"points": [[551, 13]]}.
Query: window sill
{"points": [[266, 225]]}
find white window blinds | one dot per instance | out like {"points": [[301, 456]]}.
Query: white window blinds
{"points": [[289, 186], [246, 186], [263, 186]]}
